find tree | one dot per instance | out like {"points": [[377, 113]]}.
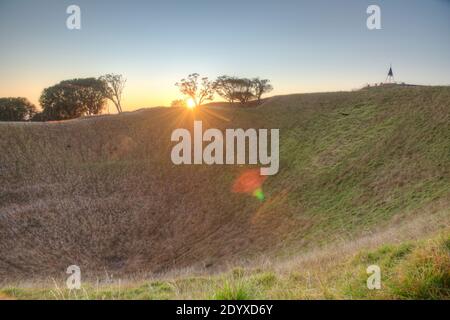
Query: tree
{"points": [[16, 109], [71, 99], [198, 92], [91, 93], [224, 87], [241, 89], [178, 103], [113, 88], [260, 87], [233, 88]]}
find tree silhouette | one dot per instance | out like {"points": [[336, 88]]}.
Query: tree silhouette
{"points": [[199, 90], [260, 87], [71, 99], [224, 87], [241, 89], [113, 88]]}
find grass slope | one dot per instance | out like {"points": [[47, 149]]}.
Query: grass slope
{"points": [[102, 192]]}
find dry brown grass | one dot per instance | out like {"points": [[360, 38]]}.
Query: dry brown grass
{"points": [[102, 193]]}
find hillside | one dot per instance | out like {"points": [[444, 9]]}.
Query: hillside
{"points": [[102, 192]]}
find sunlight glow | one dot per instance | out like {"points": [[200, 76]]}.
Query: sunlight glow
{"points": [[190, 103]]}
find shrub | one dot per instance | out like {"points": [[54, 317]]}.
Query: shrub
{"points": [[233, 290]]}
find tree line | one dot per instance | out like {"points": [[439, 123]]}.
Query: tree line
{"points": [[70, 99], [232, 89]]}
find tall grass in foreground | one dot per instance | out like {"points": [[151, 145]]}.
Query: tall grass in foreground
{"points": [[411, 270]]}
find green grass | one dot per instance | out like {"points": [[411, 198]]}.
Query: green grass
{"points": [[233, 290], [413, 270], [409, 271]]}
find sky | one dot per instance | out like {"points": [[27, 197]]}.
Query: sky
{"points": [[301, 46]]}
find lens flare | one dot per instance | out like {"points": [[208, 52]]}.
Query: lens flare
{"points": [[258, 194], [250, 182]]}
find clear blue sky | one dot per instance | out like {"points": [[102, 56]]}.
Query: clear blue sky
{"points": [[302, 46]]}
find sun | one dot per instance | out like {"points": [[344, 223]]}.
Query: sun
{"points": [[190, 103]]}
